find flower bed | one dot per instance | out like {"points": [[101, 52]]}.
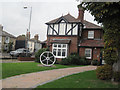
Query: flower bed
{"points": [[26, 58]]}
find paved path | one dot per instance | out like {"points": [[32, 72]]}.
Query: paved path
{"points": [[34, 79]]}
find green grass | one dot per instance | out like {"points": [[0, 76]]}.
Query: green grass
{"points": [[12, 69], [82, 80]]}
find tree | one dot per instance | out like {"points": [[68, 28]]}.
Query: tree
{"points": [[108, 14], [10, 46]]}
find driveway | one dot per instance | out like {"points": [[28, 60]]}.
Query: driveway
{"points": [[32, 80]]}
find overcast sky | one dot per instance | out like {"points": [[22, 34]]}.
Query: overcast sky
{"points": [[15, 19]]}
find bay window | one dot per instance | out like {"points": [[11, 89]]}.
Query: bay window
{"points": [[59, 50]]}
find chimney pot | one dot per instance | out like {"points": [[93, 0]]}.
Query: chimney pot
{"points": [[36, 37], [80, 14]]}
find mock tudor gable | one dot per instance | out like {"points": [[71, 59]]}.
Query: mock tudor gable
{"points": [[66, 35], [64, 25]]}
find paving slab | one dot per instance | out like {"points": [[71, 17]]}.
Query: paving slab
{"points": [[32, 80]]}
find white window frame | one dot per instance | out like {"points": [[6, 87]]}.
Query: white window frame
{"points": [[90, 53], [90, 34], [61, 48]]}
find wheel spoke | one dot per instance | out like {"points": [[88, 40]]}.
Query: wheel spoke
{"points": [[44, 56], [51, 56], [51, 60], [47, 54], [47, 62], [43, 60]]}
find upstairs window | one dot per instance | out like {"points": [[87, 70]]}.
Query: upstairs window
{"points": [[90, 34], [62, 28]]}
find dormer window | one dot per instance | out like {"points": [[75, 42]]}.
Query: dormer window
{"points": [[90, 34]]}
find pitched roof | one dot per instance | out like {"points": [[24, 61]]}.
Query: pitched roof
{"points": [[92, 43], [4, 33], [90, 25], [33, 39], [67, 17], [71, 19], [21, 37]]}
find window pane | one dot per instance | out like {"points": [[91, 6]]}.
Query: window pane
{"points": [[55, 45], [62, 29], [88, 52], [59, 52], [59, 45], [87, 55], [54, 52], [63, 52], [90, 34], [64, 45]]}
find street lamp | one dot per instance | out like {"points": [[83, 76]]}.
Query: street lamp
{"points": [[30, 17], [28, 30]]}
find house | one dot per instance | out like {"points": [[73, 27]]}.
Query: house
{"points": [[21, 42], [67, 34], [5, 39], [33, 45]]}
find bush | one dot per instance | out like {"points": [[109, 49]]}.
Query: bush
{"points": [[38, 53], [74, 59], [110, 55], [116, 76], [95, 62], [104, 72]]}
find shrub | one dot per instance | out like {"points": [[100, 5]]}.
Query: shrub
{"points": [[88, 62], [84, 61], [104, 72], [38, 53], [73, 59], [116, 76], [95, 62], [110, 55]]}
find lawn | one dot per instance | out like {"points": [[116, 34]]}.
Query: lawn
{"points": [[12, 69], [82, 80]]}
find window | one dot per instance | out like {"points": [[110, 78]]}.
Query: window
{"points": [[88, 53], [91, 34], [62, 28], [60, 50], [7, 39]]}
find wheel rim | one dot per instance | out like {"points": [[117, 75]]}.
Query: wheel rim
{"points": [[47, 58]]}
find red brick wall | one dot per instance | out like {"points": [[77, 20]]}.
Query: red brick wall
{"points": [[72, 46], [81, 52], [97, 34], [95, 53]]}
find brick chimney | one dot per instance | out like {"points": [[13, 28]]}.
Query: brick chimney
{"points": [[36, 37], [80, 14]]}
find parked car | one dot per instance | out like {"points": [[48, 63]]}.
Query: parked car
{"points": [[19, 52]]}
